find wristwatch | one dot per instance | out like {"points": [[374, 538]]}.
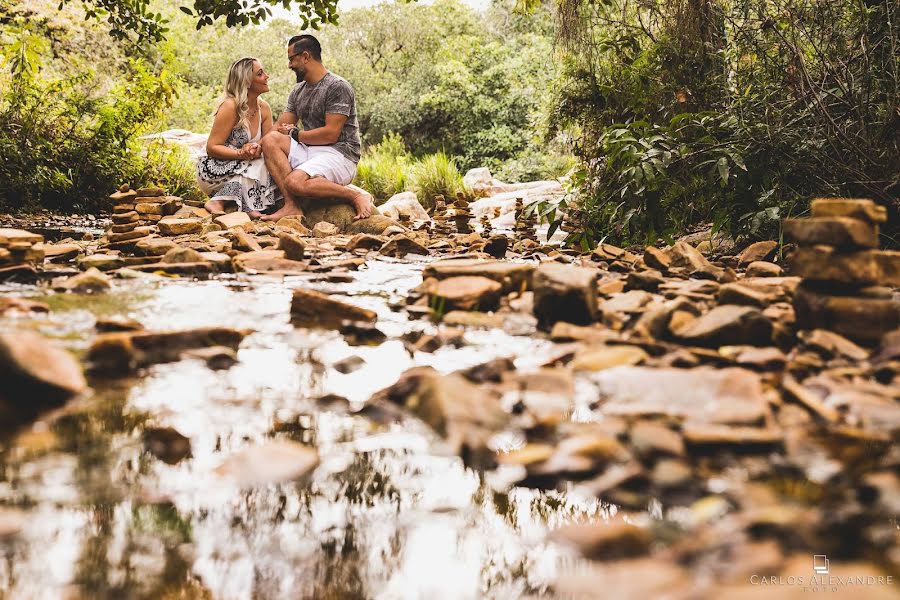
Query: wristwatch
{"points": [[295, 134]]}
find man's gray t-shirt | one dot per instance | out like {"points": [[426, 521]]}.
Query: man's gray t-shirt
{"points": [[331, 94]]}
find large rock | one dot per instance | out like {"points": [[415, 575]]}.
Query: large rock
{"points": [[122, 352], [401, 246], [343, 217], [468, 292], [292, 245], [154, 246], [171, 226], [234, 219], [34, 375], [404, 203], [843, 232], [703, 395], [728, 325], [855, 208], [866, 267], [685, 256], [758, 251], [860, 319], [512, 276], [92, 281], [310, 306], [564, 293], [479, 179], [464, 413]]}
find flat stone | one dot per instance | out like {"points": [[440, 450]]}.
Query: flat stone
{"points": [[154, 246], [294, 224], [703, 394], [61, 252], [629, 302], [605, 357], [842, 232], [137, 232], [608, 252], [270, 462], [117, 324], [746, 438], [148, 208], [656, 258], [809, 400], [292, 245], [514, 277], [365, 241], [651, 438], [831, 344], [728, 325], [605, 541], [763, 269], [685, 256], [866, 267], [123, 195], [648, 280], [243, 241], [35, 375], [565, 293], [92, 281], [769, 358], [171, 226], [324, 229], [123, 228], [127, 217], [271, 261], [467, 292], [234, 219], [150, 192], [182, 255], [122, 352], [310, 306], [862, 320], [862, 209], [401, 246], [759, 251], [460, 318], [736, 293]]}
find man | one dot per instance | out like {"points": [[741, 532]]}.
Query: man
{"points": [[318, 161]]}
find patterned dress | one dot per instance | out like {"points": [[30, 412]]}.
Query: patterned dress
{"points": [[246, 182]]}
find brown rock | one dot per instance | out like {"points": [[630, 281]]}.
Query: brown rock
{"points": [[243, 241], [123, 228], [759, 251], [685, 256], [324, 229], [118, 353], [128, 217], [565, 293], [608, 252], [866, 267], [150, 192], [365, 241], [292, 244], [728, 325], [497, 245], [605, 541], [272, 462], [171, 226], [725, 396], [467, 292], [863, 209], [650, 438], [764, 269], [234, 219], [656, 258], [136, 233], [401, 246], [842, 232], [599, 358], [61, 252], [294, 224], [512, 276], [272, 261], [34, 375], [736, 293], [310, 306], [154, 246], [705, 435], [148, 208], [167, 444], [831, 344], [182, 255], [863, 320], [92, 281], [103, 262]]}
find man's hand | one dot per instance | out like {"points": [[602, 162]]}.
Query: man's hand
{"points": [[250, 151], [284, 128]]}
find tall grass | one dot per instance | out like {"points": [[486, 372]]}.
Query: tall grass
{"points": [[383, 170], [435, 174]]}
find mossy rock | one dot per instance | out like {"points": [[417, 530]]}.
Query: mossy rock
{"points": [[341, 215]]}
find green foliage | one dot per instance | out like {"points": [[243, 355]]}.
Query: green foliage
{"points": [[383, 168], [533, 165], [727, 113], [171, 167], [137, 17], [433, 175], [66, 142]]}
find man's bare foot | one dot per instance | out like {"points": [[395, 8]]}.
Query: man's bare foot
{"points": [[254, 214], [363, 204], [215, 207], [288, 210]]}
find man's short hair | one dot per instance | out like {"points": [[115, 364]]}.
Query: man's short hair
{"points": [[306, 43]]}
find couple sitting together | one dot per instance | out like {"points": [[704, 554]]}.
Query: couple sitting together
{"points": [[255, 164]]}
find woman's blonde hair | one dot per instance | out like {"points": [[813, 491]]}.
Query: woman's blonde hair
{"points": [[237, 84]]}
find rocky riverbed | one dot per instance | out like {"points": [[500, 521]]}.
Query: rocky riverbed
{"points": [[221, 408]]}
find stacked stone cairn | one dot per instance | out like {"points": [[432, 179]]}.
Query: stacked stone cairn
{"points": [[19, 247], [461, 214], [847, 280], [486, 228], [524, 225], [440, 217], [135, 212]]}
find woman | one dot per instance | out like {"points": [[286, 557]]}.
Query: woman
{"points": [[234, 170]]}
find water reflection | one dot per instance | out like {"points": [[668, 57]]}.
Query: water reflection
{"points": [[385, 515]]}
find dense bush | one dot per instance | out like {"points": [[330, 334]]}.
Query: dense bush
{"points": [[433, 175], [383, 168], [733, 113]]}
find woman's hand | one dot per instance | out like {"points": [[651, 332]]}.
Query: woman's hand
{"points": [[250, 151]]}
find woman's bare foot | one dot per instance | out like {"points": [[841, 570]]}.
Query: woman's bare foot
{"points": [[254, 214], [215, 207], [288, 210], [363, 204]]}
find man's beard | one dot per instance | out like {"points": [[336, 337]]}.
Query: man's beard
{"points": [[300, 73]]}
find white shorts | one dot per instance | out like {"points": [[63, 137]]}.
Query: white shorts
{"points": [[322, 161]]}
